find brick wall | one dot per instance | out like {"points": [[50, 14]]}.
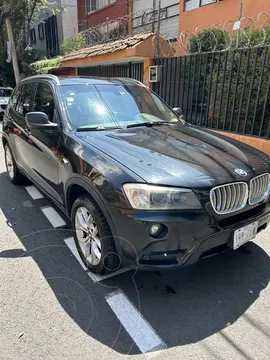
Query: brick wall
{"points": [[260, 144], [113, 11]]}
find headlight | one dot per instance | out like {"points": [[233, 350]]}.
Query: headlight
{"points": [[3, 102], [150, 197]]}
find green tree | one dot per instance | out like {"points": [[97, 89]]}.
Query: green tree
{"points": [[21, 13], [209, 40]]}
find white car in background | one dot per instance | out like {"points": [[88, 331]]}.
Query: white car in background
{"points": [[5, 93]]}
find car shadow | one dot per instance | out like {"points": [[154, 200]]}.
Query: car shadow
{"points": [[183, 306], [191, 304]]}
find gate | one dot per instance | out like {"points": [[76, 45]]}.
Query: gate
{"points": [[226, 90], [129, 70]]}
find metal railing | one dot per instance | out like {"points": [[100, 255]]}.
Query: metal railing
{"points": [[226, 90]]}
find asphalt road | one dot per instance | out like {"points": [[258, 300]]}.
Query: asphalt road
{"points": [[51, 309]]}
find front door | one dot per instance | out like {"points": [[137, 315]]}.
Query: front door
{"points": [[45, 143], [21, 103]]}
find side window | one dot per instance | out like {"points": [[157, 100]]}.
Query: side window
{"points": [[25, 99], [14, 98], [44, 101], [18, 104]]}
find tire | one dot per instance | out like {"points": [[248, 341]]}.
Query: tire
{"points": [[14, 175], [109, 260]]}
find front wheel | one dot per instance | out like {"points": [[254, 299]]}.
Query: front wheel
{"points": [[13, 172], [93, 237]]}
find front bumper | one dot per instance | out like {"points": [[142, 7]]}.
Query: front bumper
{"points": [[190, 236]]}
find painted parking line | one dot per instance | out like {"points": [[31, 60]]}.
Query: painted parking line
{"points": [[97, 278], [137, 327], [34, 193], [72, 247], [53, 216], [94, 277]]}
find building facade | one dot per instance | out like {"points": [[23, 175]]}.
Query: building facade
{"points": [[195, 13], [145, 16], [52, 27], [92, 13]]}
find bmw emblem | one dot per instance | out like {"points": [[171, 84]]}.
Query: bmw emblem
{"points": [[241, 172]]}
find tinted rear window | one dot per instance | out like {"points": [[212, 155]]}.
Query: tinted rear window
{"points": [[5, 92]]}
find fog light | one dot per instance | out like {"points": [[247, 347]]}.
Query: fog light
{"points": [[155, 230]]}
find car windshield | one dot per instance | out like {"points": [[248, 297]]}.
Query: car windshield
{"points": [[5, 92], [113, 105]]}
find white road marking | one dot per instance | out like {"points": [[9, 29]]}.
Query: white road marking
{"points": [[94, 277], [53, 216], [97, 278], [154, 354], [34, 193], [138, 328], [72, 247]]}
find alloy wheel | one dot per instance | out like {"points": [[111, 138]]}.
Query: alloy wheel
{"points": [[9, 163], [88, 236]]}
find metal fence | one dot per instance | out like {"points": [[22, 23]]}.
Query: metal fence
{"points": [[129, 70], [226, 90]]}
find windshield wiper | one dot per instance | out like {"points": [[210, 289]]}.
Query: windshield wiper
{"points": [[149, 123], [97, 128]]}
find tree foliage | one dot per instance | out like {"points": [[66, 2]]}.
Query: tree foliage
{"points": [[46, 66], [72, 44], [21, 14], [209, 40]]}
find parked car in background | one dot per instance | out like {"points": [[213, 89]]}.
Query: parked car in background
{"points": [[5, 93], [141, 186]]}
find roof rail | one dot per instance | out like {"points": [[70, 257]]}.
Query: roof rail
{"points": [[43, 76], [129, 79]]}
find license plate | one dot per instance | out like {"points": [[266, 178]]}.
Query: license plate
{"points": [[245, 234]]}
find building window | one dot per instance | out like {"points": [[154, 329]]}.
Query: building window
{"points": [[41, 31], [103, 3], [92, 5], [194, 4], [51, 36], [33, 36]]}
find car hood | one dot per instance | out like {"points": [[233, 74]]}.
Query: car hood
{"points": [[179, 155]]}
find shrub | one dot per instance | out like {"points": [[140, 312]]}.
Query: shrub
{"points": [[72, 44], [45, 66]]}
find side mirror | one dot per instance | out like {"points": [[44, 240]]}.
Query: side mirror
{"points": [[39, 120], [178, 111]]}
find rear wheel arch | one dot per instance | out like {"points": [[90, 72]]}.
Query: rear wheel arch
{"points": [[14, 174], [4, 141]]}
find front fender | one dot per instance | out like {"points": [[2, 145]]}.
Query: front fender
{"points": [[97, 197]]}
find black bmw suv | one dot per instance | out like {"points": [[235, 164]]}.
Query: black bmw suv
{"points": [[140, 185]]}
